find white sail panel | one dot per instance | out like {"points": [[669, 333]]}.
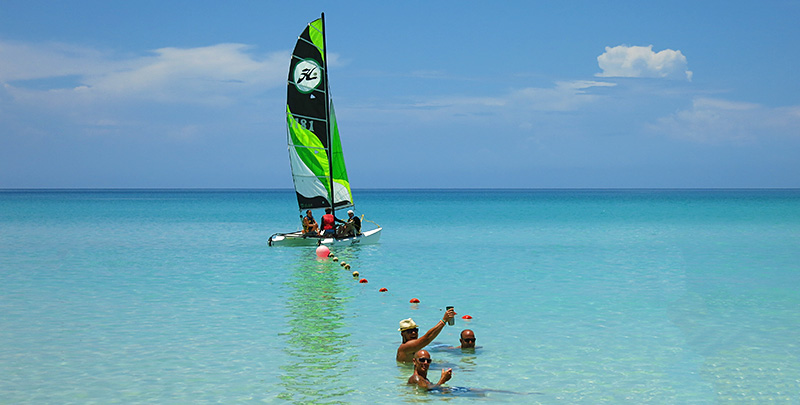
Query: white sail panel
{"points": [[306, 183]]}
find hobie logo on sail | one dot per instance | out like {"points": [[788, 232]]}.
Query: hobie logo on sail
{"points": [[307, 75]]}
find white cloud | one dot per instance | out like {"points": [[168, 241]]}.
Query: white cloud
{"points": [[206, 73], [720, 121], [563, 96], [211, 75], [641, 61], [23, 61]]}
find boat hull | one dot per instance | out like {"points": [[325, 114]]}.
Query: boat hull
{"points": [[297, 239]]}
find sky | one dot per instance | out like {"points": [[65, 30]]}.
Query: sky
{"points": [[428, 94]]}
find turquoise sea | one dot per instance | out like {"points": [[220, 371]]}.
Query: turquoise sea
{"points": [[576, 296]]}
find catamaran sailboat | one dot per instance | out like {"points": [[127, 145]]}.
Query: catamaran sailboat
{"points": [[315, 150]]}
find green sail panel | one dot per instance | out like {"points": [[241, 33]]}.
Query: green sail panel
{"points": [[315, 154], [309, 163], [342, 194]]}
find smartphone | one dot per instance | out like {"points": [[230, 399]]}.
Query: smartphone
{"points": [[452, 321]]}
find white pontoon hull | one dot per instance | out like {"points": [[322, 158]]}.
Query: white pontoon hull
{"points": [[297, 239]]}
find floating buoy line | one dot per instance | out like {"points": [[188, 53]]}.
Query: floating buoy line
{"points": [[324, 252]]}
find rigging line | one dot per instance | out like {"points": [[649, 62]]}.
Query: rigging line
{"points": [[329, 142], [376, 224]]}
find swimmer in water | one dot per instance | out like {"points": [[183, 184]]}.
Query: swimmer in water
{"points": [[467, 343], [467, 339], [409, 331], [422, 361]]}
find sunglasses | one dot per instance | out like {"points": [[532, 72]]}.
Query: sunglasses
{"points": [[423, 360], [469, 340], [411, 330]]}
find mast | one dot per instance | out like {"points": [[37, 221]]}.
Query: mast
{"points": [[328, 115]]}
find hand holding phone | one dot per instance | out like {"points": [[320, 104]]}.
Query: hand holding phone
{"points": [[450, 321]]}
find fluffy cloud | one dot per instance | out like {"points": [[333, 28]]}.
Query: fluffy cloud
{"points": [[641, 61], [211, 75], [719, 121]]}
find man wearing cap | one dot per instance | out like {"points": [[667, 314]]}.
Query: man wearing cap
{"points": [[353, 225], [411, 343]]}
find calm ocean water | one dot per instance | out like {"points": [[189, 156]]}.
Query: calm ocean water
{"points": [[577, 296]]}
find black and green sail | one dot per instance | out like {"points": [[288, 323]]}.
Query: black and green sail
{"points": [[315, 151]]}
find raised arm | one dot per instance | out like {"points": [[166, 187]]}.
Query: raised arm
{"points": [[412, 346]]}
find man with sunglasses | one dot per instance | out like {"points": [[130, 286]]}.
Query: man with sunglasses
{"points": [[411, 343], [422, 361], [467, 339]]}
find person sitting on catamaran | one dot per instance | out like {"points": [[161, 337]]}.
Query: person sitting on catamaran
{"points": [[352, 227], [329, 223], [310, 226]]}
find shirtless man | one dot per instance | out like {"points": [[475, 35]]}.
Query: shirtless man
{"points": [[422, 361], [467, 339], [411, 343]]}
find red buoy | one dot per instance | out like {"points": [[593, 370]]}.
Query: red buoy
{"points": [[363, 280], [414, 301], [383, 290], [466, 317]]}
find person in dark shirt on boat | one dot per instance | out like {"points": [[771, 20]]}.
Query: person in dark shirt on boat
{"points": [[310, 226], [422, 361], [353, 225], [329, 223], [411, 343]]}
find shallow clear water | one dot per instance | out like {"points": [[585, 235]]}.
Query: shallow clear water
{"points": [[577, 296]]}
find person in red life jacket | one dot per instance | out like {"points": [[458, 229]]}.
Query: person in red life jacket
{"points": [[329, 223]]}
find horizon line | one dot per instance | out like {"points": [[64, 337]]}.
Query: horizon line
{"points": [[4, 189]]}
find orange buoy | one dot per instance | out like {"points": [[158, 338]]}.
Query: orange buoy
{"points": [[466, 317], [383, 290], [414, 301], [363, 280]]}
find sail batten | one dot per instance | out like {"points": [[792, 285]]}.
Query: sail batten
{"points": [[307, 117], [315, 151]]}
